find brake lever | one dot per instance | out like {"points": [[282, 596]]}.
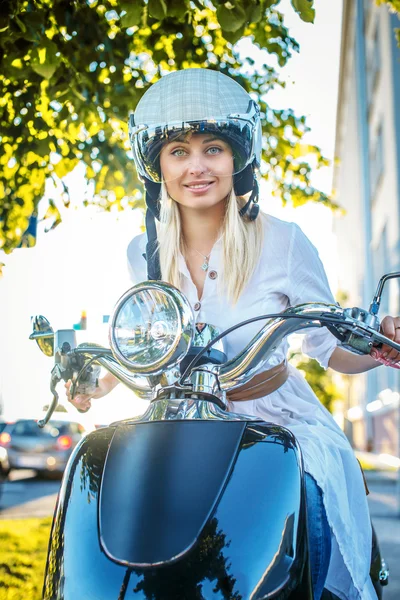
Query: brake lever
{"points": [[383, 340], [362, 338], [55, 379]]}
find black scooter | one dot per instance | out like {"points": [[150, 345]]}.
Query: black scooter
{"points": [[188, 501]]}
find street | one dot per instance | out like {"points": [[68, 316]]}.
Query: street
{"points": [[24, 495], [385, 516]]}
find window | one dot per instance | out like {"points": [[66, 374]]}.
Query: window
{"points": [[386, 377], [30, 428], [374, 63], [381, 265], [367, 9], [376, 57], [377, 161]]}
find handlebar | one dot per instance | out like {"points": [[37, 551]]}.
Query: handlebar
{"points": [[355, 328], [244, 365]]}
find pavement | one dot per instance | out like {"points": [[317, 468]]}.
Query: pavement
{"points": [[385, 513], [23, 495]]}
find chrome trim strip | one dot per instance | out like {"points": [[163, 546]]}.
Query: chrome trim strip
{"points": [[188, 409]]}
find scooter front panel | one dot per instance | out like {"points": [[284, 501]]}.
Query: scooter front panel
{"points": [[248, 548], [163, 480]]}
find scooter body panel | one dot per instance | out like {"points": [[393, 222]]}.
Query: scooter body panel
{"points": [[225, 499]]}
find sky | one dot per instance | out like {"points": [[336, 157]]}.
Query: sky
{"points": [[81, 265]]}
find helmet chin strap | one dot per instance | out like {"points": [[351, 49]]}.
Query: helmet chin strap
{"points": [[152, 253]]}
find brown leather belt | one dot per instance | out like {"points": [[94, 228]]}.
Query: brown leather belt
{"points": [[261, 384]]}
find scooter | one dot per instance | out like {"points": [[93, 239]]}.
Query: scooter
{"points": [[151, 507]]}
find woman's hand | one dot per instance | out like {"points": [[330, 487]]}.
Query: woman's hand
{"points": [[84, 401], [81, 401], [390, 327]]}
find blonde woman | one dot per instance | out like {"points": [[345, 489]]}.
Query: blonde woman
{"points": [[196, 140]]}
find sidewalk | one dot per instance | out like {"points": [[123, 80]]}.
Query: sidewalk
{"points": [[382, 501]]}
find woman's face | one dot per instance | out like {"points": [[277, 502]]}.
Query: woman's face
{"points": [[198, 172]]}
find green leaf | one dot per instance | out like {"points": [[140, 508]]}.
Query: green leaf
{"points": [[232, 18], [44, 60], [178, 10], [157, 9], [21, 25], [254, 13], [304, 9], [269, 3], [65, 166], [133, 15], [234, 36], [52, 214]]}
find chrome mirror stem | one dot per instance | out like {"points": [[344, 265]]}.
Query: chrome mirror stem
{"points": [[376, 301]]}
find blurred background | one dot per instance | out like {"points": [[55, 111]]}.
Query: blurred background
{"points": [[327, 77]]}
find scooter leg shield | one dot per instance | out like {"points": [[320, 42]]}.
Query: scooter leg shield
{"points": [[176, 510]]}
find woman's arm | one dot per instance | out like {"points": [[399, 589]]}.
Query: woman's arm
{"points": [[346, 362]]}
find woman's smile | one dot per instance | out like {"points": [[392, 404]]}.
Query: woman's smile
{"points": [[199, 187]]}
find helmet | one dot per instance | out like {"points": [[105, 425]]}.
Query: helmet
{"points": [[195, 101]]}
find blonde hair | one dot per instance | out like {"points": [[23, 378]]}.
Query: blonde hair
{"points": [[241, 240]]}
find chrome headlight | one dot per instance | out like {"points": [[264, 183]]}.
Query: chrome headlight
{"points": [[152, 328]]}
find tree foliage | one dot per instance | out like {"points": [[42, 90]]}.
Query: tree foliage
{"points": [[72, 70], [320, 380]]}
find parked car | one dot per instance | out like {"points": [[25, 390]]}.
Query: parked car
{"points": [[45, 450]]}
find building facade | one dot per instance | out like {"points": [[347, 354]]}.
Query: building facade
{"points": [[367, 183]]}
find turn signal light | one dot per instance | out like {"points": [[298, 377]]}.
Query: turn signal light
{"points": [[5, 438], [64, 442]]}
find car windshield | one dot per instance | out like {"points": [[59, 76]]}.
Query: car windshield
{"points": [[29, 427], [2, 425]]}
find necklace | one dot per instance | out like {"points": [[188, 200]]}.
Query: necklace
{"points": [[204, 266]]}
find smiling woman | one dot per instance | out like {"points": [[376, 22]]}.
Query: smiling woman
{"points": [[196, 141]]}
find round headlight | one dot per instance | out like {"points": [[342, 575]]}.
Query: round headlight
{"points": [[152, 328]]}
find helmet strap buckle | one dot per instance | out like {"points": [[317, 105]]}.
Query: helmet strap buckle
{"points": [[252, 203]]}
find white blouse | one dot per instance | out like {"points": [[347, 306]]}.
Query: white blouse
{"points": [[289, 273]]}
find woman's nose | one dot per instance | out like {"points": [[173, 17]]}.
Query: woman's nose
{"points": [[198, 165]]}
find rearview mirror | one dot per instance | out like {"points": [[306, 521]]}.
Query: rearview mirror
{"points": [[43, 334]]}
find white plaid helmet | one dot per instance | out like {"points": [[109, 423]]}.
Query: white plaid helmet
{"points": [[195, 101]]}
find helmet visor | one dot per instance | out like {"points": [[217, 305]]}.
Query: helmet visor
{"points": [[236, 135]]}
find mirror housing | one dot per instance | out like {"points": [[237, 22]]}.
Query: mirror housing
{"points": [[43, 334]]}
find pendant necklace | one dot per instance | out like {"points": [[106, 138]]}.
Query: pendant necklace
{"points": [[204, 266]]}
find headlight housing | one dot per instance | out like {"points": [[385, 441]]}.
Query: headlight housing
{"points": [[152, 328]]}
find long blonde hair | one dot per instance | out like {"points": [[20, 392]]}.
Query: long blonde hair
{"points": [[241, 239]]}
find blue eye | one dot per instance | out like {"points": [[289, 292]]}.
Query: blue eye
{"points": [[178, 152], [214, 150]]}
